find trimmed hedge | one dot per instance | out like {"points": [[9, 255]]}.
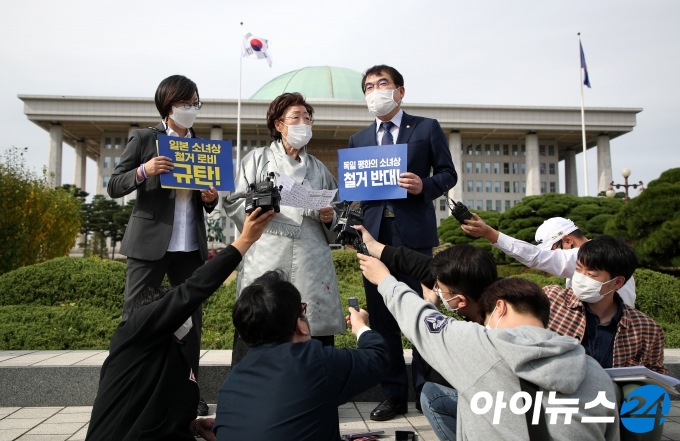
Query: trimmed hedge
{"points": [[75, 303]]}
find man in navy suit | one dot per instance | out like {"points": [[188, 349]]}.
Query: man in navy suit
{"points": [[406, 222], [288, 386]]}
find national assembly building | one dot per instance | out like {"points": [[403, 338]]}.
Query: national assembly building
{"points": [[501, 153]]}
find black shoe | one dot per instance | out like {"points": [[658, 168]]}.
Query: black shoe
{"points": [[389, 408], [418, 406], [202, 408]]}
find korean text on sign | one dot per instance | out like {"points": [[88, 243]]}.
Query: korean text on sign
{"points": [[372, 173], [198, 163]]}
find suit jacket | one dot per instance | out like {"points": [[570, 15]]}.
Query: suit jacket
{"points": [[291, 391], [428, 150], [149, 230]]}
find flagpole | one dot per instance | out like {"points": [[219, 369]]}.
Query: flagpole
{"points": [[583, 118], [238, 114]]}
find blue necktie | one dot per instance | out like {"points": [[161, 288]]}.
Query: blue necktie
{"points": [[387, 135]]}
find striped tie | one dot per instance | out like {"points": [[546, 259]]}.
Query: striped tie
{"points": [[387, 135]]}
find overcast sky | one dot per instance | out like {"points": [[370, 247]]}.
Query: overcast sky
{"points": [[475, 52]]}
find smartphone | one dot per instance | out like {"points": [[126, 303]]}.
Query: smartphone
{"points": [[353, 303], [404, 435]]}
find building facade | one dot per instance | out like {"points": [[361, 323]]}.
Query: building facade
{"points": [[501, 153]]}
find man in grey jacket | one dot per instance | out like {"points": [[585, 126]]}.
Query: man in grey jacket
{"points": [[515, 353]]}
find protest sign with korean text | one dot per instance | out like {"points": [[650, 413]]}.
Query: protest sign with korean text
{"points": [[372, 173], [198, 163]]}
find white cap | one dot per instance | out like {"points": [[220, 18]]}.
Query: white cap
{"points": [[552, 230]]}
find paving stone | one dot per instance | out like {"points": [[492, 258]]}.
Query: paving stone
{"points": [[95, 360], [10, 435], [31, 358], [67, 359], [20, 423], [671, 430], [349, 413], [80, 435], [352, 425], [7, 355], [57, 429], [69, 418], [4, 411], [29, 437], [388, 427], [76, 409], [34, 412]]}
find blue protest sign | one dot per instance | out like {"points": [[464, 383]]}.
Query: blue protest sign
{"points": [[198, 163], [371, 173]]}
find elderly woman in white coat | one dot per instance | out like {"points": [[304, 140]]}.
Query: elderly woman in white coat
{"points": [[297, 239]]}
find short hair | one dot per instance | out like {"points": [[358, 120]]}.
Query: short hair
{"points": [[278, 107], [267, 310], [171, 89], [577, 234], [381, 69], [607, 253], [525, 296], [149, 295], [466, 269]]}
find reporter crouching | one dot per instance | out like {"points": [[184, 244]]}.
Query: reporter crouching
{"points": [[147, 389]]}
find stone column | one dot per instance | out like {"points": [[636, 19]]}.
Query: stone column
{"points": [[455, 147], [570, 179], [81, 165], [533, 165], [604, 163], [98, 189], [56, 147]]}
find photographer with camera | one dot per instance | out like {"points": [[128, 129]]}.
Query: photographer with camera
{"points": [[297, 239]]}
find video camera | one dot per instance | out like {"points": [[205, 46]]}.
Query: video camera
{"points": [[345, 228], [264, 194]]}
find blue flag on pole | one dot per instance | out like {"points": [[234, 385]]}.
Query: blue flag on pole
{"points": [[586, 80]]}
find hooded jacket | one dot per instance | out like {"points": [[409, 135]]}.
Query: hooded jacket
{"points": [[475, 360]]}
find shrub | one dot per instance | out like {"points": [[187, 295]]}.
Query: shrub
{"points": [[650, 223], [75, 303], [37, 222]]}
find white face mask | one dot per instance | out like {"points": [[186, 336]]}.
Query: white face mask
{"points": [[299, 135], [446, 302], [381, 101], [184, 117], [587, 289], [184, 329], [487, 323]]}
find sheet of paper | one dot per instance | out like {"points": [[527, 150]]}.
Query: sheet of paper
{"points": [[632, 371], [296, 195]]}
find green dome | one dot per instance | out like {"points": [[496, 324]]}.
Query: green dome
{"points": [[321, 82]]}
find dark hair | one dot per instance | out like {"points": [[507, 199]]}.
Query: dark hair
{"points": [[577, 234], [171, 89], [525, 296], [607, 253], [466, 269], [381, 69], [149, 295], [267, 310], [278, 107]]}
